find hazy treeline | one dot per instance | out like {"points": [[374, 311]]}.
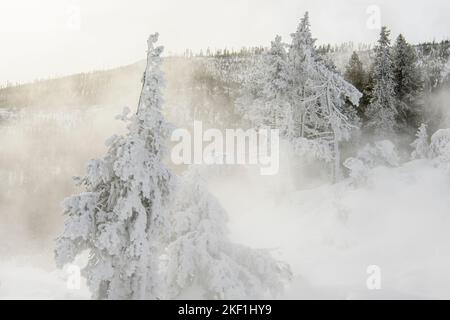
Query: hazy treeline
{"points": [[419, 74], [208, 82], [85, 89]]}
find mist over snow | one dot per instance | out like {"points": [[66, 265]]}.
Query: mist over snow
{"points": [[332, 233], [93, 205], [329, 234]]}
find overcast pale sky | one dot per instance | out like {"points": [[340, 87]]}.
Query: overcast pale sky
{"points": [[57, 37]]}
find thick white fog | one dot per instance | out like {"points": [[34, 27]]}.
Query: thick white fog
{"points": [[359, 208], [329, 234]]}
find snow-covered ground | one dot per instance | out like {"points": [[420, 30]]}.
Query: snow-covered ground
{"points": [[398, 220], [25, 281]]}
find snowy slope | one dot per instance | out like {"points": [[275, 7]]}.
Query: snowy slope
{"points": [[398, 221], [330, 234]]}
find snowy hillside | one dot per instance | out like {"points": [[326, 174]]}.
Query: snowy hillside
{"points": [[398, 220]]}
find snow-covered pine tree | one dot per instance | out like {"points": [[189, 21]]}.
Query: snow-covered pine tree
{"points": [[356, 75], [336, 107], [200, 255], [302, 59], [324, 101], [354, 72], [382, 112], [121, 215], [407, 84], [264, 103], [421, 145], [317, 106], [275, 90]]}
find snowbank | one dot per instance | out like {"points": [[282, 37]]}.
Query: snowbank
{"points": [[398, 220]]}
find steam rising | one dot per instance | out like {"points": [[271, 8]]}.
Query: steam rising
{"points": [[329, 234]]}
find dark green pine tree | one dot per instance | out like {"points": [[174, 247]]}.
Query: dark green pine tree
{"points": [[408, 85], [356, 75]]}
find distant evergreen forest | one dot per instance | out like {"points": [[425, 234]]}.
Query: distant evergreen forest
{"points": [[208, 83]]}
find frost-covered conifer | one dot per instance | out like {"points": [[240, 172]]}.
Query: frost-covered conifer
{"points": [[302, 77], [382, 112], [407, 84], [201, 256], [356, 75], [354, 72], [319, 98], [338, 116], [265, 104], [315, 103], [421, 145], [121, 215]]}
